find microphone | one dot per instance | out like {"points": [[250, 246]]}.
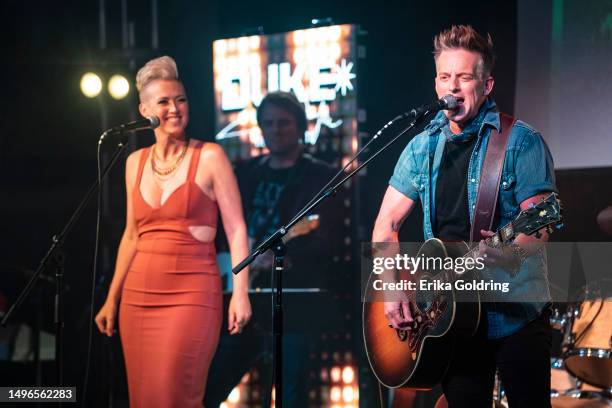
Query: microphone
{"points": [[447, 102], [147, 123]]}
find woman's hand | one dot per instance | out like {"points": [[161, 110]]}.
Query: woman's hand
{"points": [[106, 317], [239, 312]]}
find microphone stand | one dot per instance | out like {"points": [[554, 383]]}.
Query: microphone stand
{"points": [[276, 244], [55, 254]]}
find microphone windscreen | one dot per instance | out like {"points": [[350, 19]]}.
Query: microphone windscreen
{"points": [[154, 121], [450, 101]]}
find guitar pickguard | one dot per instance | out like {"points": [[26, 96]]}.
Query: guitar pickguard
{"points": [[423, 322]]}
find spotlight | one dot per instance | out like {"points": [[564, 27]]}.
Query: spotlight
{"points": [[336, 374], [335, 394], [348, 374], [91, 85], [348, 394], [118, 87]]}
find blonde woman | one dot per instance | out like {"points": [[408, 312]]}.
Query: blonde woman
{"points": [[166, 287]]}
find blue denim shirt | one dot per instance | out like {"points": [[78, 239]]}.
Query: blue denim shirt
{"points": [[528, 170]]}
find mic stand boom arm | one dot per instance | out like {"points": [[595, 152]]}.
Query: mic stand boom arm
{"points": [[55, 252], [276, 244]]}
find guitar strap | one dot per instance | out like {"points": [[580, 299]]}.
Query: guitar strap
{"points": [[490, 177]]}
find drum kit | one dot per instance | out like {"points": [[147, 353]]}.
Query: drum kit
{"points": [[582, 377]]}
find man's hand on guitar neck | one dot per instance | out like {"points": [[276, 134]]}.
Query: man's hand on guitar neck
{"points": [[503, 257], [513, 255]]}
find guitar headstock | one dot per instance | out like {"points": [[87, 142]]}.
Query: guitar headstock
{"points": [[303, 227], [545, 214]]}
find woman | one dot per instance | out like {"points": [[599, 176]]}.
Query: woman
{"points": [[166, 283]]}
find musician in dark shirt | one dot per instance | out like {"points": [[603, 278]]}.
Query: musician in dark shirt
{"points": [[274, 187]]}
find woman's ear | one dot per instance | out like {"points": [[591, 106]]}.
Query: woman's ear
{"points": [[143, 110]]}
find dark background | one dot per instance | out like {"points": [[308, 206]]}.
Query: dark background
{"points": [[49, 129]]}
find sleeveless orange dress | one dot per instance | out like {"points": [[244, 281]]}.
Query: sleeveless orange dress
{"points": [[171, 303]]}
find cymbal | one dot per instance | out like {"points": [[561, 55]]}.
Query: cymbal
{"points": [[604, 220]]}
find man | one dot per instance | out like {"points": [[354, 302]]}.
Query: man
{"points": [[274, 188], [441, 167]]}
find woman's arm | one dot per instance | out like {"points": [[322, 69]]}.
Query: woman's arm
{"points": [[106, 317], [227, 194]]}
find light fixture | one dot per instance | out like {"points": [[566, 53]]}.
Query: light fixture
{"points": [[118, 87], [91, 85]]}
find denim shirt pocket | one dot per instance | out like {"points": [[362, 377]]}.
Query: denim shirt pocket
{"points": [[508, 206]]}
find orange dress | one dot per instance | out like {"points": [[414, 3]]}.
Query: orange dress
{"points": [[170, 313]]}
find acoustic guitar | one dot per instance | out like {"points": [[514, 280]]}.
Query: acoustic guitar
{"points": [[418, 358]]}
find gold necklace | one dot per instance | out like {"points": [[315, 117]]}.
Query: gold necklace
{"points": [[168, 170]]}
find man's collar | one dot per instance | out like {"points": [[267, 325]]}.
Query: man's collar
{"points": [[491, 118]]}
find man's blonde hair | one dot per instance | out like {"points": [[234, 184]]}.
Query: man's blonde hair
{"points": [[465, 37]]}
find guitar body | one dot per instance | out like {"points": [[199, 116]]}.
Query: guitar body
{"points": [[419, 360]]}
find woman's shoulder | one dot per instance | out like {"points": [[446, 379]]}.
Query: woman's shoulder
{"points": [[211, 150], [134, 158]]}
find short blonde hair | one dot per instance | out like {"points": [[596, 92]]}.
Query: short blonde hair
{"points": [[158, 68], [465, 37]]}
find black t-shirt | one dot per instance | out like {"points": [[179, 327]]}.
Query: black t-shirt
{"points": [[263, 217], [452, 222]]}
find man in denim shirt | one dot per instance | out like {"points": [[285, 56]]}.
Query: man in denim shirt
{"points": [[441, 167]]}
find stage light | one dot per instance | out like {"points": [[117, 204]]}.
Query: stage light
{"points": [[348, 394], [335, 394], [336, 374], [324, 375], [348, 374], [91, 85], [118, 87]]}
